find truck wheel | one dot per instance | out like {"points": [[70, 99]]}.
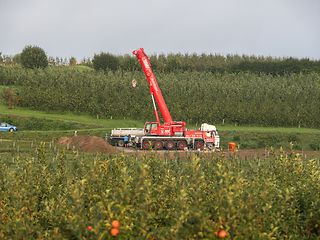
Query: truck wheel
{"points": [[182, 145], [158, 145], [170, 145], [146, 145], [120, 143], [199, 145], [210, 146], [11, 130]]}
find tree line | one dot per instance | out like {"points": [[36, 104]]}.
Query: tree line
{"points": [[32, 57]]}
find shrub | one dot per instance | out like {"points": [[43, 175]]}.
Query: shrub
{"points": [[33, 57], [73, 61], [17, 58], [11, 98], [105, 61]]}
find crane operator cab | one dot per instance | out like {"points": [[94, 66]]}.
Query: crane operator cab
{"points": [[151, 128]]}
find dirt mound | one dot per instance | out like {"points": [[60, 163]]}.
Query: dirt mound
{"points": [[87, 144]]}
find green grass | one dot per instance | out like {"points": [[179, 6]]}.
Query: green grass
{"points": [[61, 124], [248, 137], [118, 123], [82, 68], [72, 117], [257, 129], [54, 126]]}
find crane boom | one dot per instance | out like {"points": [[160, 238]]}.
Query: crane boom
{"points": [[155, 91], [169, 135]]}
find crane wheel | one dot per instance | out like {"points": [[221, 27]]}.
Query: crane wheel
{"points": [[182, 145], [210, 146], [146, 145], [170, 145], [199, 145], [158, 145]]}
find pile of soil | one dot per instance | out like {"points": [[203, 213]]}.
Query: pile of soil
{"points": [[87, 144]]}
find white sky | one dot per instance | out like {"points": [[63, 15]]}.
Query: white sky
{"points": [[65, 28]]}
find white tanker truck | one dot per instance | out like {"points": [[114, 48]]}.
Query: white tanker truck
{"points": [[125, 137]]}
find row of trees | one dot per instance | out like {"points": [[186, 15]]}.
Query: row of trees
{"points": [[46, 194], [231, 64], [30, 57], [241, 98], [35, 57]]}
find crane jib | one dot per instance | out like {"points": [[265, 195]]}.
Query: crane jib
{"points": [[154, 88]]}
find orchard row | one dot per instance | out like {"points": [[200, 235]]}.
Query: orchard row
{"points": [[196, 97]]}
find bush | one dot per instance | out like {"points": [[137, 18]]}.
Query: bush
{"points": [[73, 61], [33, 57], [11, 98], [105, 61]]}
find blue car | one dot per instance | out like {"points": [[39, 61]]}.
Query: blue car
{"points": [[6, 127]]}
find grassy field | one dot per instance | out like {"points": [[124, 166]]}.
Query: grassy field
{"points": [[48, 126], [79, 118], [60, 124]]}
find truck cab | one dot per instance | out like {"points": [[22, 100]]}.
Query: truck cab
{"points": [[157, 129], [151, 128], [166, 129]]}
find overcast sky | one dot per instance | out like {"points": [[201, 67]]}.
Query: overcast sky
{"points": [[80, 28]]}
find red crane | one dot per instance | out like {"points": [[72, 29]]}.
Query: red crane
{"points": [[171, 134], [155, 91]]}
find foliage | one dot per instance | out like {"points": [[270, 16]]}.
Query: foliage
{"points": [[173, 63], [215, 63], [242, 98], [233, 64], [17, 58], [73, 61], [13, 75], [105, 62], [33, 57], [10, 97], [42, 124], [196, 97], [74, 196]]}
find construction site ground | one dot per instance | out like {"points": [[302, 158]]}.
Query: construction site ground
{"points": [[95, 144]]}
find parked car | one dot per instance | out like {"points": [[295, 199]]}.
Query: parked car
{"points": [[6, 127]]}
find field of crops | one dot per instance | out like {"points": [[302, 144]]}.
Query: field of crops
{"points": [[50, 193], [233, 98]]}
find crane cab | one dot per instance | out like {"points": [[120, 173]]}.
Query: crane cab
{"points": [[166, 129]]}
